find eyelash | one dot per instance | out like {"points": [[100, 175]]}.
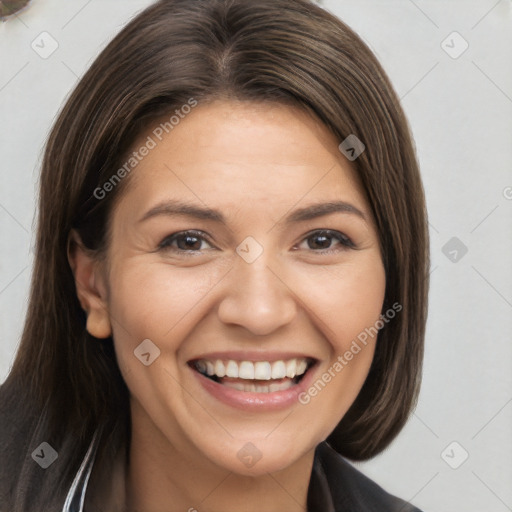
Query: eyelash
{"points": [[345, 242]]}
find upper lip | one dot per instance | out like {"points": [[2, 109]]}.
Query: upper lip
{"points": [[252, 355]]}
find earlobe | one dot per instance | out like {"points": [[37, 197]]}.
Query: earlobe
{"points": [[89, 287], [98, 322]]}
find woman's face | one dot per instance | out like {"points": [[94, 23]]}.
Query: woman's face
{"points": [[243, 245]]}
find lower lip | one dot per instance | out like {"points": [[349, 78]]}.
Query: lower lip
{"points": [[250, 401]]}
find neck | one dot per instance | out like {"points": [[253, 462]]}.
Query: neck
{"points": [[170, 477]]}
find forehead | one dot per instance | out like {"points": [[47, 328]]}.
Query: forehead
{"points": [[226, 153]]}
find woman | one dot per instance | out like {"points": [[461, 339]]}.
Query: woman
{"points": [[231, 273]]}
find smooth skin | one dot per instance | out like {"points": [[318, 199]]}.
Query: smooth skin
{"points": [[256, 164]]}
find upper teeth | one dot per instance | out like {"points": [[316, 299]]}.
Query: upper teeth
{"points": [[261, 370]]}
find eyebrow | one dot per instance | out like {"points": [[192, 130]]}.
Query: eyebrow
{"points": [[180, 208]]}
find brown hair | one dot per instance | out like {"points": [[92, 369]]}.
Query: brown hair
{"points": [[64, 384]]}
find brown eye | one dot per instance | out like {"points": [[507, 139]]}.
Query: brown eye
{"points": [[189, 241], [327, 240]]}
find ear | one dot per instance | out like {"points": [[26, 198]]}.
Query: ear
{"points": [[90, 286]]}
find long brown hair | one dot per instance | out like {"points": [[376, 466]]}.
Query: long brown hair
{"points": [[65, 384]]}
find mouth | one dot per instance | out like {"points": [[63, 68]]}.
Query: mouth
{"points": [[261, 377]]}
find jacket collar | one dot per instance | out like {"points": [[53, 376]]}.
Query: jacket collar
{"points": [[75, 498]]}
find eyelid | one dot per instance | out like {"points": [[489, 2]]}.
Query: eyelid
{"points": [[344, 240], [166, 242]]}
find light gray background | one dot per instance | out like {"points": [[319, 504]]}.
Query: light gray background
{"points": [[460, 110]]}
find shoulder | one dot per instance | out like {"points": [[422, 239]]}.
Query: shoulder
{"points": [[14, 435], [352, 490]]}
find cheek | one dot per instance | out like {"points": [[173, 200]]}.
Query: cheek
{"points": [[347, 303], [154, 301], [346, 299], [143, 294]]}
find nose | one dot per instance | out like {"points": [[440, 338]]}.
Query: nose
{"points": [[257, 298]]}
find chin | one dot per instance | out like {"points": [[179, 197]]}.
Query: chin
{"points": [[259, 457]]}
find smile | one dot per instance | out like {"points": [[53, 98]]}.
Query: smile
{"points": [[252, 382]]}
